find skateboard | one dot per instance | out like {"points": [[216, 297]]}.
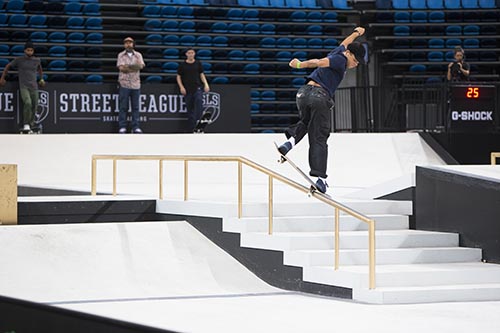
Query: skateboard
{"points": [[33, 130], [283, 159], [205, 119]]}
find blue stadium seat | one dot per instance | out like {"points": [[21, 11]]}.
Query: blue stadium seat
{"points": [[401, 17], [268, 42], [220, 80], [94, 52], [311, 4], [284, 42], [170, 67], [452, 43], [419, 17], [37, 21], [207, 67], [76, 37], [417, 68], [314, 16], [153, 25], [57, 37], [251, 15], [204, 40], [452, 4], [219, 27], [57, 51], [298, 82], [471, 43], [487, 4], [299, 16], [220, 41], [330, 43], [94, 79], [154, 39], [57, 65], [263, 3], [236, 55], [400, 4], [469, 30], [284, 56], [330, 16], [93, 23], [235, 28], [251, 28], [151, 11], [18, 21], [17, 50], [168, 11], [171, 53], [436, 17], [171, 40], [314, 29], [153, 79], [401, 30], [185, 12], [204, 54], [315, 43], [276, 3], [293, 4], [15, 6], [39, 36], [187, 40], [341, 4], [3, 20], [235, 14], [92, 9], [435, 4], [75, 22], [418, 4], [470, 4], [3, 63], [299, 43], [94, 38], [170, 26], [73, 8], [268, 95], [436, 43], [268, 29], [252, 55], [453, 30]]}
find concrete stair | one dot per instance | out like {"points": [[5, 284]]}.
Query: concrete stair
{"points": [[412, 266]]}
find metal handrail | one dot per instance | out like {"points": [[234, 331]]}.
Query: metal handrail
{"points": [[272, 176], [494, 157]]}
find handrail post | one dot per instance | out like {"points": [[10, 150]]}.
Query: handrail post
{"points": [[185, 180], [270, 212], [494, 157], [240, 190], [94, 176], [371, 252], [114, 176], [336, 238], [160, 178]]}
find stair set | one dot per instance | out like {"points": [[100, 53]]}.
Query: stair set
{"points": [[412, 266]]}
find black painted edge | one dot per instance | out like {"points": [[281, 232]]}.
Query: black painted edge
{"points": [[439, 149]]}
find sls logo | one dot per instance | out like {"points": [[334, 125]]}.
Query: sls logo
{"points": [[211, 104], [42, 110]]}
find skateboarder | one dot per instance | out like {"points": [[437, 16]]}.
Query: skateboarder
{"points": [[192, 83], [28, 66], [315, 102]]}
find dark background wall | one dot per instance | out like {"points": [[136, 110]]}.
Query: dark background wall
{"points": [[470, 206]]}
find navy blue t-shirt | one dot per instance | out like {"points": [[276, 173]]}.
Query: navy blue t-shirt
{"points": [[330, 77]]}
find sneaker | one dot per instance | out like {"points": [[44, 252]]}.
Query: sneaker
{"points": [[122, 130], [321, 185], [137, 131], [26, 127], [285, 148]]}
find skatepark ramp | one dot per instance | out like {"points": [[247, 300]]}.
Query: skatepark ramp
{"points": [[272, 176]]}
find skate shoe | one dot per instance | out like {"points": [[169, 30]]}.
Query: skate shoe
{"points": [[321, 185], [285, 148], [137, 131], [122, 130], [26, 128]]}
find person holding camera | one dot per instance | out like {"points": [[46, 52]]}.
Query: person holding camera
{"points": [[458, 70], [129, 64]]}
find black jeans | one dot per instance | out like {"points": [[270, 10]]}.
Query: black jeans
{"points": [[315, 109], [194, 107]]}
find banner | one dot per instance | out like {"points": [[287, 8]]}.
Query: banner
{"points": [[93, 108]]}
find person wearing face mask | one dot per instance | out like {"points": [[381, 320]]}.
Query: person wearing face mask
{"points": [[458, 70], [129, 63], [315, 102], [28, 66]]}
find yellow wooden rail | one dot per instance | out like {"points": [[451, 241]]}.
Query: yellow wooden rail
{"points": [[272, 176], [494, 157]]}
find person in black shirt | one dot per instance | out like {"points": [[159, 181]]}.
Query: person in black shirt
{"points": [[458, 70], [192, 83]]}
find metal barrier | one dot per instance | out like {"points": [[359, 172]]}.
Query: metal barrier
{"points": [[271, 177]]}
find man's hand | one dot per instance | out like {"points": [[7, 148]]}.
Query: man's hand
{"points": [[206, 89], [450, 64], [2, 82], [183, 91], [134, 67], [41, 83], [360, 30], [294, 63]]}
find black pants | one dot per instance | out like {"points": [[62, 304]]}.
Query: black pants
{"points": [[194, 107], [315, 109]]}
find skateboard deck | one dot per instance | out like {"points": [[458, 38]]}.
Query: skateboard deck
{"points": [[284, 158], [203, 122]]}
